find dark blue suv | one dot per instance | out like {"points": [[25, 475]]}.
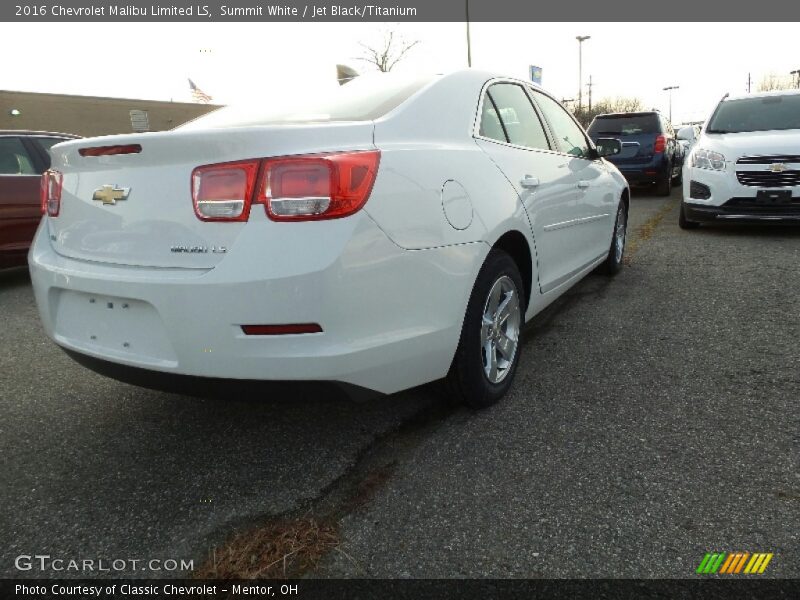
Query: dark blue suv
{"points": [[651, 154]]}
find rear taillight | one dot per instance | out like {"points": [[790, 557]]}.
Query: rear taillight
{"points": [[322, 186], [223, 192], [50, 192], [291, 188], [660, 145]]}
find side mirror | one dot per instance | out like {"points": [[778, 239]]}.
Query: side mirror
{"points": [[608, 147]]}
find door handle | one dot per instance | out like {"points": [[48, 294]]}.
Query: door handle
{"points": [[529, 181], [583, 184]]}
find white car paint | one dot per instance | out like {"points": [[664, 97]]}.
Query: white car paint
{"points": [[724, 182], [389, 285]]}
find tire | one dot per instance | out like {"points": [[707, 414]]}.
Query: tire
{"points": [[683, 222], [616, 252], [679, 179], [486, 330], [664, 186]]}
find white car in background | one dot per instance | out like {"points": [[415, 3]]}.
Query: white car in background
{"points": [[395, 232], [746, 165], [687, 136]]}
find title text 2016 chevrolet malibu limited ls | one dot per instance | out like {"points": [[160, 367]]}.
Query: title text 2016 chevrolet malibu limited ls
{"points": [[391, 233]]}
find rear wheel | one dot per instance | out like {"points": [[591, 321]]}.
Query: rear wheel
{"points": [[678, 178], [683, 222], [613, 263], [489, 349]]}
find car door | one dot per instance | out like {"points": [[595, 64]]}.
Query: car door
{"points": [[587, 227], [512, 133], [20, 172]]}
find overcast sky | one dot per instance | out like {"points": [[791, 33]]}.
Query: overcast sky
{"points": [[233, 62]]}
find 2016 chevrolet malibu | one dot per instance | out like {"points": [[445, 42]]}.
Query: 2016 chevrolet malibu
{"points": [[393, 233]]}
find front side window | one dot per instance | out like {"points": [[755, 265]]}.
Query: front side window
{"points": [[509, 116], [568, 134], [14, 159]]}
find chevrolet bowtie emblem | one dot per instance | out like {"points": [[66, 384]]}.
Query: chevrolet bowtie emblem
{"points": [[777, 167], [109, 194]]}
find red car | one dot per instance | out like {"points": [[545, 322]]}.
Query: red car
{"points": [[24, 156]]}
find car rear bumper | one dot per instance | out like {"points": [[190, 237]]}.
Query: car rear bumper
{"points": [[379, 331], [644, 174]]}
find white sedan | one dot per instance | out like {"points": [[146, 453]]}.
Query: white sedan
{"points": [[392, 233]]}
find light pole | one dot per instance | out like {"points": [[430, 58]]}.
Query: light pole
{"points": [[581, 39], [669, 89], [469, 43]]}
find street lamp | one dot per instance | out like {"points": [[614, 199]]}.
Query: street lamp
{"points": [[469, 42], [669, 89], [581, 39]]}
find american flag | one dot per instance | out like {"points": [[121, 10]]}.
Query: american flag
{"points": [[198, 94]]}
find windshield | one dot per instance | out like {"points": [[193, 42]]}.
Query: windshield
{"points": [[624, 125], [366, 98], [765, 113]]}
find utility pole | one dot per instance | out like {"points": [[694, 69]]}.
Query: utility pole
{"points": [[590, 93], [669, 89], [748, 83], [581, 39], [469, 43]]}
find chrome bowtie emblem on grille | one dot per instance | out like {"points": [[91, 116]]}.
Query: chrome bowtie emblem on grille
{"points": [[109, 194], [777, 167]]}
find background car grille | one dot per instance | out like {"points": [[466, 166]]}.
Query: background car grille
{"points": [[788, 178], [751, 205], [768, 160], [768, 179]]}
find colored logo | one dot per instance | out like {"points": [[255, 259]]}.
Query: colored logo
{"points": [[734, 563], [109, 194]]}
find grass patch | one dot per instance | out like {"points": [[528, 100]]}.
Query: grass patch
{"points": [[278, 550], [645, 231]]}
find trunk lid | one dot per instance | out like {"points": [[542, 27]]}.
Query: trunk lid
{"points": [[148, 218]]}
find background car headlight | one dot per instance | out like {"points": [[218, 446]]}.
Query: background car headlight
{"points": [[708, 159]]}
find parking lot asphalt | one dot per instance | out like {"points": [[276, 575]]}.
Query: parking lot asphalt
{"points": [[653, 419]]}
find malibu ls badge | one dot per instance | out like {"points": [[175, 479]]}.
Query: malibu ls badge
{"points": [[109, 194], [198, 249]]}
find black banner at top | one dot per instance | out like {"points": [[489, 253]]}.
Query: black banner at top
{"points": [[396, 10]]}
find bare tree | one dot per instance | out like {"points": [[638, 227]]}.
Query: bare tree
{"points": [[620, 104], [393, 49], [775, 82]]}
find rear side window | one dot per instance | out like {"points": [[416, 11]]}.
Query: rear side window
{"points": [[509, 116], [14, 158], [45, 143], [568, 134], [625, 125]]}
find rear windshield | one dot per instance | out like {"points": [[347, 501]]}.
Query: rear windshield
{"points": [[365, 98], [767, 113], [625, 125]]}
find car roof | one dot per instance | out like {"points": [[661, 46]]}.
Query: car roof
{"points": [[31, 132], [793, 92], [638, 113]]}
